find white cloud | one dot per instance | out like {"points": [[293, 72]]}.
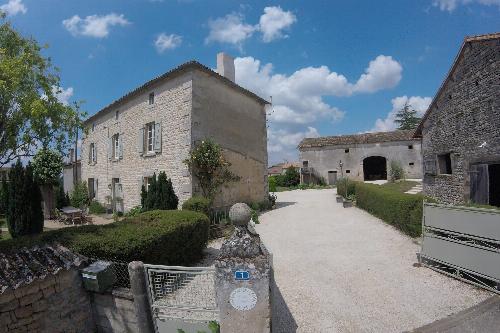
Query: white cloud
{"points": [[382, 73], [94, 25], [229, 29], [274, 21], [419, 104], [166, 42], [13, 7], [451, 5], [63, 95], [298, 99]]}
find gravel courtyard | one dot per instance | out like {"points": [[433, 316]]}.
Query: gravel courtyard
{"points": [[343, 270]]}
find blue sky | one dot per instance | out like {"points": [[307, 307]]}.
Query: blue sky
{"points": [[332, 67]]}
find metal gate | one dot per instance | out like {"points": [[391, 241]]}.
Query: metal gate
{"points": [[462, 242], [182, 298]]}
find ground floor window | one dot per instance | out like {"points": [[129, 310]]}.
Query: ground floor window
{"points": [[444, 164], [147, 182]]}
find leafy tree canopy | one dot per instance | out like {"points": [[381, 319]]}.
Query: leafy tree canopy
{"points": [[31, 116], [47, 166], [407, 118]]}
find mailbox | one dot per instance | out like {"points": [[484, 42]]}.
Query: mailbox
{"points": [[99, 276]]}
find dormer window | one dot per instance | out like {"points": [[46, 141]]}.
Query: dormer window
{"points": [[151, 98]]}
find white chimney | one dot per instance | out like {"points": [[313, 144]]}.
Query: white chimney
{"points": [[225, 65]]}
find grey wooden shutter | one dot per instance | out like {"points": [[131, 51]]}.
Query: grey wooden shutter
{"points": [[95, 154], [157, 142], [430, 167], [96, 184], [140, 141], [110, 148], [90, 154], [120, 147], [479, 184]]}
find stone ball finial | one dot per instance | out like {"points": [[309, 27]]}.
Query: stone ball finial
{"points": [[240, 214]]}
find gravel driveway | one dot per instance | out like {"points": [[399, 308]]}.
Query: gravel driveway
{"points": [[343, 270]]}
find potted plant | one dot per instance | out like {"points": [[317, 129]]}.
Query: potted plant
{"points": [[348, 202], [340, 199]]}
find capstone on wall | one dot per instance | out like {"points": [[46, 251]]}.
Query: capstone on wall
{"points": [[324, 159], [464, 121], [171, 109]]}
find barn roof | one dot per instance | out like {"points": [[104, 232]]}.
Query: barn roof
{"points": [[184, 68], [21, 267], [354, 139], [468, 39]]}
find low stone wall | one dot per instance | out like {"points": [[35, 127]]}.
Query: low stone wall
{"points": [[114, 311], [58, 303]]}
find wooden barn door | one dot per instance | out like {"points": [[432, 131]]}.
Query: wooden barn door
{"points": [[479, 184]]}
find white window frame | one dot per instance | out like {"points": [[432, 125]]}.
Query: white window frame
{"points": [[116, 147], [92, 153], [150, 138], [146, 181]]}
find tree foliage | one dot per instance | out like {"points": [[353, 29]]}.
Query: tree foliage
{"points": [[160, 194], [206, 162], [407, 118], [3, 196], [79, 197], [47, 166], [396, 172], [31, 116], [291, 177], [24, 211], [62, 199]]}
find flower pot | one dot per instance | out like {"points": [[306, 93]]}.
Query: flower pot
{"points": [[347, 203], [340, 199]]}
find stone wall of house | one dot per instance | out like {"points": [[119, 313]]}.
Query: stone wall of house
{"points": [[172, 109], [58, 303], [464, 121], [238, 123], [114, 311], [325, 159]]}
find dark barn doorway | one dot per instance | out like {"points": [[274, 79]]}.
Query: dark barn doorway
{"points": [[494, 180], [375, 168]]}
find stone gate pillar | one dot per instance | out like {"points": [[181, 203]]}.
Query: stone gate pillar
{"points": [[243, 274]]}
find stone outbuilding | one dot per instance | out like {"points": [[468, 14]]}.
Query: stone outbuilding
{"points": [[361, 157], [461, 129], [154, 127]]}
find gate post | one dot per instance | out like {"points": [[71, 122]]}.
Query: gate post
{"points": [[138, 287], [242, 278]]}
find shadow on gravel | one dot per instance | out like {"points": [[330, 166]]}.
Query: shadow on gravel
{"points": [[282, 204], [282, 318]]}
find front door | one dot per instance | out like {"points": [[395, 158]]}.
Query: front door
{"points": [[332, 177], [117, 195]]}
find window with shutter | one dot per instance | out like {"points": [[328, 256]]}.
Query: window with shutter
{"points": [[150, 137], [157, 136], [140, 141], [110, 148], [120, 147]]}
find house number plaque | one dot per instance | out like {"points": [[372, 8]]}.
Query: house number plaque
{"points": [[243, 299]]}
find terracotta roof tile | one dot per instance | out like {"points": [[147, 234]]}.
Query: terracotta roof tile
{"points": [[353, 139]]}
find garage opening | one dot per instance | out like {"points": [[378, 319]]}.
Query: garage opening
{"points": [[494, 180], [375, 168]]}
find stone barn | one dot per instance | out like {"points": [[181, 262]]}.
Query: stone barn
{"points": [[461, 129], [359, 157]]}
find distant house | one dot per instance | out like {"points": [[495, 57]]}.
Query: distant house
{"points": [[461, 129], [280, 168], [154, 127], [69, 175], [359, 156]]}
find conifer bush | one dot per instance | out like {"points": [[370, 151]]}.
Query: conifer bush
{"points": [[160, 194]]}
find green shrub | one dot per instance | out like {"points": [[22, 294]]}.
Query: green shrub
{"points": [[272, 183], [404, 211], [197, 204], [396, 171], [160, 194], [134, 211], [24, 210], [79, 197], [291, 177], [341, 187], [62, 199], [157, 237], [95, 207], [3, 196]]}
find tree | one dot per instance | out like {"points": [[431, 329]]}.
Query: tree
{"points": [[24, 212], [31, 116], [407, 118], [62, 199], [47, 168], [160, 194], [207, 163], [291, 177], [3, 196], [80, 195]]}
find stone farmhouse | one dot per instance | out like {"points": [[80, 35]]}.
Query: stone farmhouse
{"points": [[359, 157], [154, 127], [461, 129]]}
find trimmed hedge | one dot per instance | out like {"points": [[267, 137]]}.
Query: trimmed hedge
{"points": [[341, 187], [404, 211], [197, 204], [168, 237]]}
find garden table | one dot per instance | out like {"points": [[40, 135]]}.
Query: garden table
{"points": [[72, 213]]}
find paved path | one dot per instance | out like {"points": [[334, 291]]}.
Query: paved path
{"points": [[343, 270]]}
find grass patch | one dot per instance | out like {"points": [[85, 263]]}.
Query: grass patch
{"points": [[401, 186]]}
